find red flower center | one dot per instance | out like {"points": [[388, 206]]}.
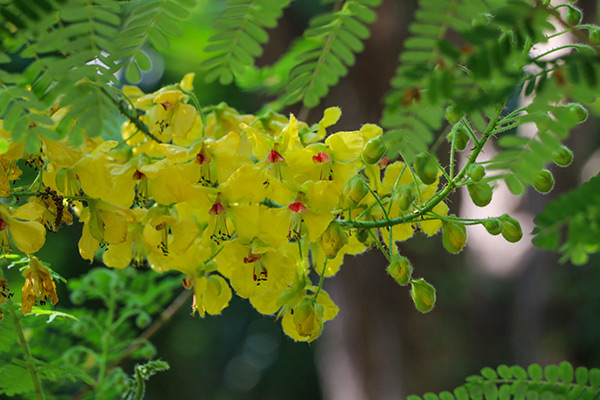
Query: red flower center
{"points": [[297, 207], [321, 158], [137, 175], [274, 157], [217, 209], [3, 224]]}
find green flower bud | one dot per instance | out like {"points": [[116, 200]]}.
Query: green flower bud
{"points": [[492, 225], [594, 34], [77, 297], [476, 172], [573, 15], [374, 150], [481, 193], [355, 190], [563, 157], [454, 236], [426, 168], [453, 115], [511, 229], [147, 352], [578, 112], [423, 295], [143, 320], [400, 269], [362, 235], [462, 137], [333, 239], [403, 196], [543, 181]]}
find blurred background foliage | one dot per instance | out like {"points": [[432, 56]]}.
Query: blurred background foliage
{"points": [[531, 309]]}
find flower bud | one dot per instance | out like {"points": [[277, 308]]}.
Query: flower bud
{"points": [[355, 190], [308, 318], [511, 229], [403, 197], [454, 236], [374, 150], [426, 168], [594, 34], [578, 112], [492, 225], [543, 181], [400, 269], [563, 157], [423, 295], [453, 115], [573, 15], [462, 138], [143, 320], [481, 193], [333, 239], [362, 235], [476, 172]]}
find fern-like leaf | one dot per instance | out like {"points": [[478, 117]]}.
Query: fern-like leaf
{"points": [[480, 69], [576, 214], [330, 45], [507, 383], [239, 37], [148, 21]]}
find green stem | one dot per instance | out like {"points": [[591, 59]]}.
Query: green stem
{"points": [[321, 279], [379, 245], [567, 46], [439, 196], [37, 384], [106, 339], [139, 124]]}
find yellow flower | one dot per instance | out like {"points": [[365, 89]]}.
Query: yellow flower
{"points": [[27, 233], [211, 295], [38, 285], [307, 325], [103, 223], [254, 268]]}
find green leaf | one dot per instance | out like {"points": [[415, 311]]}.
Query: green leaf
{"points": [[581, 375], [535, 372], [552, 373], [15, 380], [133, 73], [565, 371], [51, 314]]}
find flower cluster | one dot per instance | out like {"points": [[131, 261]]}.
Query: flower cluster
{"points": [[242, 202]]}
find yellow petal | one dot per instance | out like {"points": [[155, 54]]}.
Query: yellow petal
{"points": [[87, 244], [266, 302], [324, 195], [118, 255], [331, 116], [217, 295], [246, 220], [28, 236], [184, 233], [345, 146], [432, 227], [316, 222], [115, 225], [396, 174], [370, 131], [187, 82]]}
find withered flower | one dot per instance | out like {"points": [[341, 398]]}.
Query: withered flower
{"points": [[38, 285]]}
